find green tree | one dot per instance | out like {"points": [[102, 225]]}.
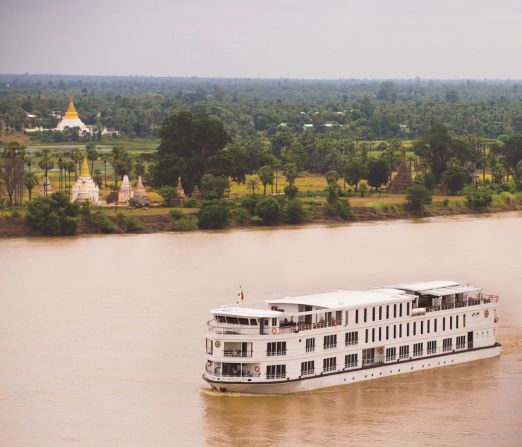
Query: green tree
{"points": [[417, 197], [188, 143], [512, 151], [295, 213], [455, 179], [122, 163], [332, 177], [12, 172], [169, 194], [355, 171], [378, 173], [266, 175], [269, 210], [252, 183], [498, 172], [92, 153], [53, 215], [214, 187], [291, 172], [213, 215], [46, 163], [478, 199], [30, 181]]}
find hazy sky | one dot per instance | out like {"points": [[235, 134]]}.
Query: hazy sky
{"points": [[264, 38]]}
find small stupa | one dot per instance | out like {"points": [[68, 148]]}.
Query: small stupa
{"points": [[196, 193], [46, 189], [85, 188], [180, 196], [139, 191], [126, 192], [402, 181]]}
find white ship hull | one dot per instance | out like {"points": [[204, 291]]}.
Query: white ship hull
{"points": [[337, 378]]}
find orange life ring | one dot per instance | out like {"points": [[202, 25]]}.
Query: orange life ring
{"points": [[486, 313], [257, 369], [218, 343], [380, 350], [274, 330]]}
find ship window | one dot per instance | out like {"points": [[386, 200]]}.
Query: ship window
{"points": [[446, 344], [366, 336], [222, 319], [464, 320], [400, 310], [443, 323], [210, 346], [432, 347], [391, 354], [414, 328], [380, 333], [365, 314], [310, 344], [394, 331], [460, 342], [380, 313], [422, 327], [350, 361], [330, 364], [243, 321], [451, 323], [400, 330], [275, 371], [232, 320], [387, 332], [330, 341], [274, 321], [276, 348], [356, 316], [328, 317], [253, 322], [417, 349], [346, 316], [351, 338], [387, 311], [407, 308], [373, 334], [435, 325], [368, 356], [395, 311], [404, 352], [407, 329], [373, 313], [456, 322], [307, 368], [427, 326]]}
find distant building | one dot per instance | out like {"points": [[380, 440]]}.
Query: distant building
{"points": [[71, 119], [85, 188]]}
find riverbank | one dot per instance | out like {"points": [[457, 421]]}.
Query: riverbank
{"points": [[158, 220]]}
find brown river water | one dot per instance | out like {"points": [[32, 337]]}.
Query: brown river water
{"points": [[102, 338]]}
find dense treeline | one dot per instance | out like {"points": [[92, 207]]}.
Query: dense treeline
{"points": [[343, 109]]}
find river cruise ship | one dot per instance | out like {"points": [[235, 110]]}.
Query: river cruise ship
{"points": [[314, 341]]}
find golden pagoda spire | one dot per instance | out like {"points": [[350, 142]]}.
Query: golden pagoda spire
{"points": [[85, 168], [71, 110]]}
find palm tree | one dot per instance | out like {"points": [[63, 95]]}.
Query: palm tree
{"points": [[46, 162], [29, 162], [92, 153], [30, 181], [70, 167], [105, 159], [266, 175], [61, 166], [77, 158], [252, 183]]}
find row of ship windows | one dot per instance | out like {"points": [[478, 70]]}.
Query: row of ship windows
{"points": [[386, 333], [368, 357]]}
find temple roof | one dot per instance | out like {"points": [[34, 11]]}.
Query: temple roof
{"points": [[85, 168], [71, 110]]}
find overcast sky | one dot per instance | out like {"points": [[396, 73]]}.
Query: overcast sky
{"points": [[264, 38]]}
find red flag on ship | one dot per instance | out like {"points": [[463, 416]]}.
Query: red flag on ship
{"points": [[241, 295]]}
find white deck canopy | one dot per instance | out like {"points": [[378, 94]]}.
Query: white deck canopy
{"points": [[240, 311], [423, 286], [445, 291]]}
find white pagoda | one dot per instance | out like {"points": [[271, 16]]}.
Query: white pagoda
{"points": [[85, 187], [126, 192], [71, 119]]}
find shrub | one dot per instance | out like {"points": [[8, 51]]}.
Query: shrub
{"points": [[249, 203], [130, 224], [53, 215], [214, 187], [268, 210], [503, 200], [291, 191], [383, 207], [455, 179], [240, 216], [186, 223], [169, 194], [175, 214], [429, 181], [445, 202], [478, 199], [213, 215], [101, 223], [417, 197], [295, 213], [191, 203]]}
